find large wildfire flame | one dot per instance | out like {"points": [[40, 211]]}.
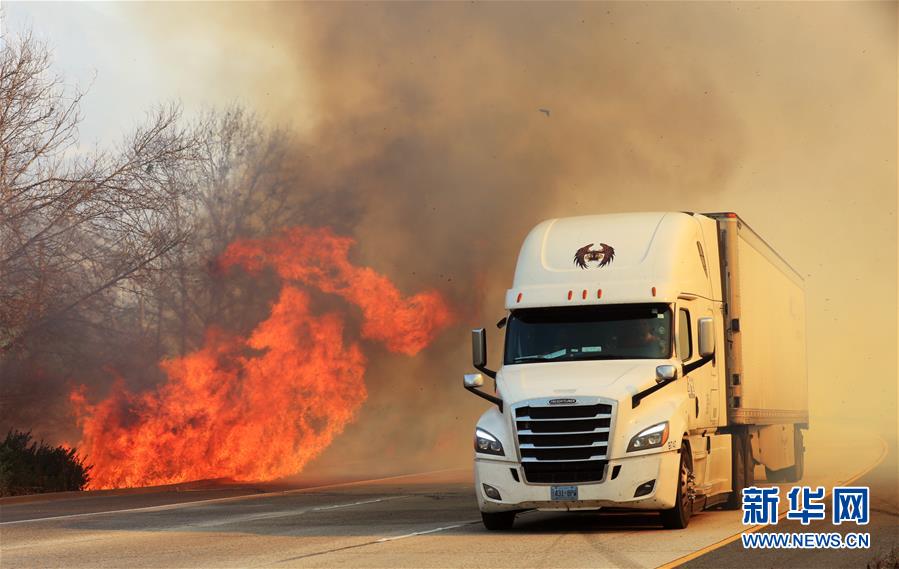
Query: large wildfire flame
{"points": [[260, 407]]}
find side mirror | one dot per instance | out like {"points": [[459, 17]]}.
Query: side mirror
{"points": [[666, 373], [478, 348], [479, 352], [706, 337], [473, 380]]}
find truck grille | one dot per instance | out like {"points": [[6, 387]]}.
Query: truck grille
{"points": [[563, 444]]}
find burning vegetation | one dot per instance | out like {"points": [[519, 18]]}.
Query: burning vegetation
{"points": [[261, 406]]}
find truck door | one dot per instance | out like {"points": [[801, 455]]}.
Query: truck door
{"points": [[702, 378]]}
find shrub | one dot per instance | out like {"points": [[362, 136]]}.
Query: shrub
{"points": [[28, 467]]}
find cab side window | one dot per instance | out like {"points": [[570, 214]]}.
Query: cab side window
{"points": [[684, 335]]}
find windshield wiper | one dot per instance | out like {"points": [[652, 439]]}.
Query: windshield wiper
{"points": [[522, 359], [578, 356], [550, 357]]}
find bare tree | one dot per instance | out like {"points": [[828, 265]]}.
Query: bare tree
{"points": [[242, 182], [75, 226], [107, 257]]}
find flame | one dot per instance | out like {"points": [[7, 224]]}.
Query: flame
{"points": [[260, 407]]}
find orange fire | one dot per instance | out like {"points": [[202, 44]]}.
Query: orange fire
{"points": [[260, 407]]}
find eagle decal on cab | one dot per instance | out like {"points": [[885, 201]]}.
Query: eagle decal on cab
{"points": [[604, 255]]}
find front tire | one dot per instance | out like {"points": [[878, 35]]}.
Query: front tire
{"points": [[498, 521], [678, 517]]}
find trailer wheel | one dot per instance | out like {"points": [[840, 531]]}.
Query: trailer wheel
{"points": [[741, 469], [678, 517], [792, 473], [799, 449], [498, 521]]}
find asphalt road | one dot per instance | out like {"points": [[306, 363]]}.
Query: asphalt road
{"points": [[423, 520]]}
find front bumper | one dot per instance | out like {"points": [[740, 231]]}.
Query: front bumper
{"points": [[615, 493]]}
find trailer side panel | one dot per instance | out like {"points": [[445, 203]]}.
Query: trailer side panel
{"points": [[767, 378]]}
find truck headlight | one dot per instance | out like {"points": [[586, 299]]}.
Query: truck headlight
{"points": [[653, 437], [486, 443]]}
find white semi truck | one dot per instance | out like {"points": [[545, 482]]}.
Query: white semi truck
{"points": [[651, 361]]}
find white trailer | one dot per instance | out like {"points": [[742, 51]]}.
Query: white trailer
{"points": [[651, 361]]}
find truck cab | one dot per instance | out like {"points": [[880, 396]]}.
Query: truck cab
{"points": [[613, 389]]}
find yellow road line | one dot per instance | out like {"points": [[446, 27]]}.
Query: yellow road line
{"points": [[700, 552]]}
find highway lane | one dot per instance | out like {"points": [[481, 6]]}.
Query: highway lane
{"points": [[424, 520]]}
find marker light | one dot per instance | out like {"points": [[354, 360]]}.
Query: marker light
{"points": [[599, 293], [519, 297], [584, 294], [569, 295]]}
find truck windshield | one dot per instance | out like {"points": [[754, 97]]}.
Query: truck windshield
{"points": [[623, 331]]}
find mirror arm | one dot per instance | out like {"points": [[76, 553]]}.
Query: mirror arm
{"points": [[491, 398], [698, 363], [488, 372], [638, 397]]}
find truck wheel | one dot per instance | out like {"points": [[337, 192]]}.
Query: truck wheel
{"points": [[498, 521], [679, 516], [741, 469], [792, 473]]}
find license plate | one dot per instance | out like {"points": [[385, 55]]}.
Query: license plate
{"points": [[563, 493]]}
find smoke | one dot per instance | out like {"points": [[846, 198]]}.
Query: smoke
{"points": [[422, 122], [436, 114], [430, 115]]}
